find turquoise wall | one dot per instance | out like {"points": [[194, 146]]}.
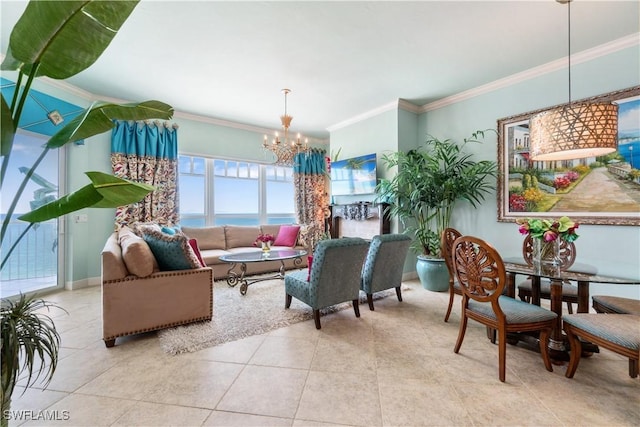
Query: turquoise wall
{"points": [[376, 134], [614, 250]]}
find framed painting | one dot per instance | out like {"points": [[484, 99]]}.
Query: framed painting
{"points": [[596, 190]]}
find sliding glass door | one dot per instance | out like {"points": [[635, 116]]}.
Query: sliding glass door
{"points": [[34, 263]]}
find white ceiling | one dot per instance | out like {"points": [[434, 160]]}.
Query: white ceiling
{"points": [[229, 60]]}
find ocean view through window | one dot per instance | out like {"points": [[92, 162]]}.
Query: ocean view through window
{"points": [[217, 192]]}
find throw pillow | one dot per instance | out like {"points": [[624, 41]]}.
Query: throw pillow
{"points": [[172, 252], [194, 245], [287, 236], [170, 230], [136, 254], [310, 263]]}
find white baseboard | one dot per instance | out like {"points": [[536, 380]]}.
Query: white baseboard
{"points": [[84, 283], [410, 275]]}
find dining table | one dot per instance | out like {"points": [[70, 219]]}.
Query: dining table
{"points": [[581, 273]]}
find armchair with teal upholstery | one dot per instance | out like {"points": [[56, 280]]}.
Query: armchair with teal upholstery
{"points": [[384, 265], [335, 276]]}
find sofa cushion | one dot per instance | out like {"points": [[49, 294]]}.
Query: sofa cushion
{"points": [[136, 253], [212, 256], [239, 236], [172, 252], [207, 237], [272, 229], [287, 236]]}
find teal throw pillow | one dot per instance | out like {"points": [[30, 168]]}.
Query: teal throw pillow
{"points": [[169, 230], [172, 251]]}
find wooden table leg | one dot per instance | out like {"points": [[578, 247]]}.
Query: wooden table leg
{"points": [[511, 285], [557, 349], [588, 348], [535, 290], [583, 297]]}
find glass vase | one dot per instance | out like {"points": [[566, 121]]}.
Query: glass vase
{"points": [[546, 255], [266, 247]]}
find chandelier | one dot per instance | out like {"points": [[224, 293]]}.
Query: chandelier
{"points": [[574, 131], [285, 149]]}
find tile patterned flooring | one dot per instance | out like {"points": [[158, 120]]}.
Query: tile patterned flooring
{"points": [[391, 367]]}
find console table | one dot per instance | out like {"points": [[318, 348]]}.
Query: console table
{"points": [[360, 219]]}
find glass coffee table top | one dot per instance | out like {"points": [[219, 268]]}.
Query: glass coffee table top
{"points": [[244, 258], [260, 256]]}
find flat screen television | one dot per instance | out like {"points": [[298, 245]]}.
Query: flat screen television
{"points": [[354, 176]]}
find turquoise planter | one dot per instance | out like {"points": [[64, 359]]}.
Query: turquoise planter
{"points": [[433, 274]]}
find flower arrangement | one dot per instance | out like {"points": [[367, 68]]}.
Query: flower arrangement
{"points": [[549, 230], [264, 238]]}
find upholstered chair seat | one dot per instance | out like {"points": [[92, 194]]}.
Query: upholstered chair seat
{"points": [[619, 333], [384, 265], [618, 305]]}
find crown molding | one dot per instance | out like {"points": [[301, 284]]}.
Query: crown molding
{"points": [[559, 64], [394, 105]]}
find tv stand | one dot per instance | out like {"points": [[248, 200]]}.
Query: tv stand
{"points": [[359, 219]]}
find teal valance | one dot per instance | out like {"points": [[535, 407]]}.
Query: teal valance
{"points": [[310, 163], [144, 140]]}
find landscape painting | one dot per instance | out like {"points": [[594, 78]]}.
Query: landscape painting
{"points": [[595, 190]]}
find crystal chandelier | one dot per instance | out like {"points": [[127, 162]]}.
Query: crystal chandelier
{"points": [[574, 131], [285, 149]]}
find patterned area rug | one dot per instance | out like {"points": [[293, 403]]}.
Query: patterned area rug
{"points": [[236, 316]]}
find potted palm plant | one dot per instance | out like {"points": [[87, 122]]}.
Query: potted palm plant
{"points": [[30, 344], [428, 183], [42, 42]]}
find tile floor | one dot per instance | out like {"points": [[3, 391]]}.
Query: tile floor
{"points": [[391, 367]]}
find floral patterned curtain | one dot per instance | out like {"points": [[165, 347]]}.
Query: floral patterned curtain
{"points": [[147, 152], [310, 192]]}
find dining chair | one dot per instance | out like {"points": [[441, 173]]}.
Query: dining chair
{"points": [[567, 257], [616, 305], [449, 235], [384, 265], [482, 277], [619, 333], [334, 278]]}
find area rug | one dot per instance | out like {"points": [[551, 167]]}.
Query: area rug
{"points": [[236, 316]]}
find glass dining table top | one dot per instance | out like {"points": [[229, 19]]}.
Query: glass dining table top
{"points": [[578, 271]]}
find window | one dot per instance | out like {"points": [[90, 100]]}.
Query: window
{"points": [[35, 263], [219, 192]]}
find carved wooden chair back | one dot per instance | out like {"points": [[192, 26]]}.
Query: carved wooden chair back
{"points": [[449, 235]]}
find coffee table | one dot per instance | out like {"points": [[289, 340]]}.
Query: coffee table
{"points": [[234, 277]]}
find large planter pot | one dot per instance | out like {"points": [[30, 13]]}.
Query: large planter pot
{"points": [[433, 273]]}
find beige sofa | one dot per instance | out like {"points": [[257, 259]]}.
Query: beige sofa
{"points": [[132, 304], [215, 242]]}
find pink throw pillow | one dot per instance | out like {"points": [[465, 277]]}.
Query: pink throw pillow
{"points": [[194, 245], [309, 262], [287, 235]]}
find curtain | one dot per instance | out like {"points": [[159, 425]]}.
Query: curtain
{"points": [[310, 192], [148, 153]]}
